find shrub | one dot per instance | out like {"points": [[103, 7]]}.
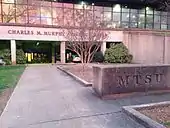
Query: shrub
{"points": [[98, 57], [20, 57], [6, 55], [118, 54]]}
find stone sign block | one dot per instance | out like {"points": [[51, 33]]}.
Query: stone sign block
{"points": [[127, 78]]}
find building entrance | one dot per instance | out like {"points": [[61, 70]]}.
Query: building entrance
{"points": [[40, 51]]}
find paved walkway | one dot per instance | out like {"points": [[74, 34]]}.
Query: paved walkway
{"points": [[47, 98]]}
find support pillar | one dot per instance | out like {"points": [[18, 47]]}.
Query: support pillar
{"points": [[63, 52], [103, 47], [13, 52]]}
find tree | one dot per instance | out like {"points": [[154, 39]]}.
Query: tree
{"points": [[87, 36]]}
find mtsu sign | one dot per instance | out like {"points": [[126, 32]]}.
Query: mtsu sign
{"points": [[47, 34]]}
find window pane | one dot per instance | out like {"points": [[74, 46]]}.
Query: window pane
{"points": [[157, 26], [157, 19], [8, 13], [34, 11], [58, 16], [107, 9], [21, 13], [150, 26], [107, 16], [116, 17], [66, 5], [125, 17], [125, 10], [164, 26], [56, 4], [34, 20], [46, 12], [149, 10], [141, 18], [46, 20], [134, 15], [164, 19], [125, 24], [68, 17], [133, 24], [149, 18]]}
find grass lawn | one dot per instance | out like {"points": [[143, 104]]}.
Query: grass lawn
{"points": [[9, 75], [167, 124]]}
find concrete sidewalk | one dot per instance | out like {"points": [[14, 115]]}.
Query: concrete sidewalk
{"points": [[47, 98]]}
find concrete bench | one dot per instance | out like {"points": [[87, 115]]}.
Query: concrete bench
{"points": [[127, 78]]}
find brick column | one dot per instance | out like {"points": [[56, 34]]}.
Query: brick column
{"points": [[13, 52], [103, 47], [63, 52]]}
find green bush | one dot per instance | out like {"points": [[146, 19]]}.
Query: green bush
{"points": [[98, 57], [118, 54], [6, 55], [20, 57]]}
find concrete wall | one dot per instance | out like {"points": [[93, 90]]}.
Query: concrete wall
{"points": [[148, 47]]}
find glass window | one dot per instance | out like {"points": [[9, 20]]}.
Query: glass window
{"points": [[107, 9], [125, 9], [125, 17], [46, 20], [134, 15], [46, 12], [68, 17], [116, 17], [8, 13], [125, 24], [46, 3], [133, 24], [149, 10], [56, 4], [66, 5], [21, 13], [34, 11], [157, 19], [163, 19], [78, 17], [90, 18], [149, 18], [141, 22], [164, 26], [107, 16], [34, 20], [58, 16], [0, 14], [46, 15]]}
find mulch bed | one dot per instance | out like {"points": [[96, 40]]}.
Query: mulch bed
{"points": [[159, 114], [85, 72]]}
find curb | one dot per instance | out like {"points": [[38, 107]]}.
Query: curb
{"points": [[141, 118], [78, 79]]}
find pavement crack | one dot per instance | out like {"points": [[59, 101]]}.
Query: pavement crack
{"points": [[73, 118]]}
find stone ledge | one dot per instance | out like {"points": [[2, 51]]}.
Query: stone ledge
{"points": [[78, 79], [141, 118]]}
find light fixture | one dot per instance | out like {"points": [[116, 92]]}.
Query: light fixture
{"points": [[37, 43], [117, 8], [147, 8], [83, 3], [92, 4]]}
